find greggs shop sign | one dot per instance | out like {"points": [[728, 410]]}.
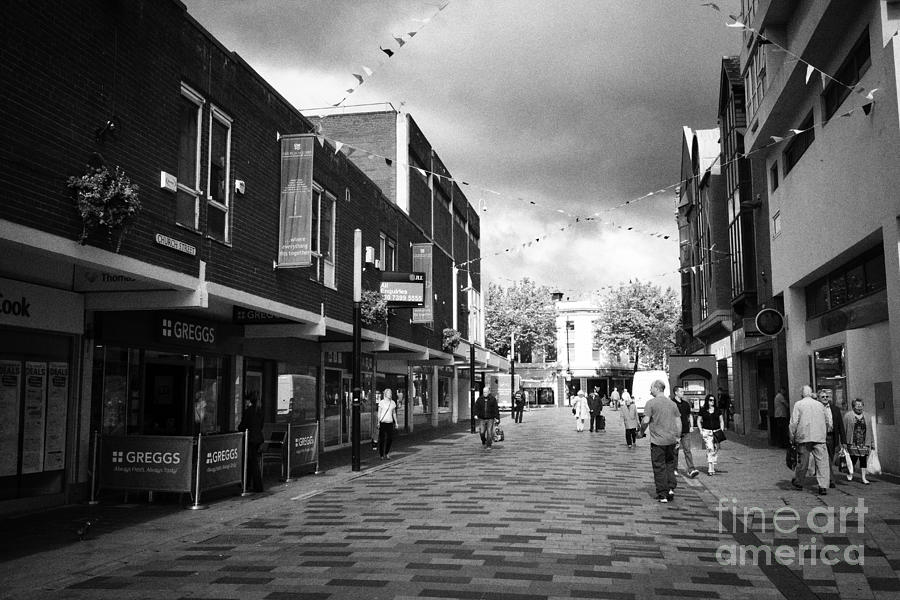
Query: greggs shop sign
{"points": [[178, 329]]}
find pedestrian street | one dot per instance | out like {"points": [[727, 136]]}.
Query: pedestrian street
{"points": [[548, 513]]}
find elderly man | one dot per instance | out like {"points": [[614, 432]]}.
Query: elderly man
{"points": [[662, 417], [809, 427]]}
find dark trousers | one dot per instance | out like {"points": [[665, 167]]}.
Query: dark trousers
{"points": [[781, 431], [385, 438], [663, 460], [517, 414], [254, 474], [595, 421], [631, 436]]}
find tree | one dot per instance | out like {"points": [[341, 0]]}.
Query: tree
{"points": [[525, 309], [641, 318]]}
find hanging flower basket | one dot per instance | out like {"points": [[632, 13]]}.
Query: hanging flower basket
{"points": [[451, 339], [373, 308], [107, 202]]}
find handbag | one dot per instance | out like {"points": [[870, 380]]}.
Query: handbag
{"points": [[873, 464], [790, 458], [719, 436]]}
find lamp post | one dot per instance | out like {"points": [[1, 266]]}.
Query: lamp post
{"points": [[357, 349], [473, 386], [512, 369]]}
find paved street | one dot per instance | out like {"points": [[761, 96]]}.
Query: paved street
{"points": [[549, 513]]}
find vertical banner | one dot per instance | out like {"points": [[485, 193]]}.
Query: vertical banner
{"points": [[57, 405], [421, 263], [10, 392], [35, 417], [295, 226]]}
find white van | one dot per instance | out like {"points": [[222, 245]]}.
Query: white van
{"points": [[640, 387]]}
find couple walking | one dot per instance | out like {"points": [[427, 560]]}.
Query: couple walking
{"points": [[590, 409]]}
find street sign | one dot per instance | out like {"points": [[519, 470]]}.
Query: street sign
{"points": [[403, 289], [769, 321]]}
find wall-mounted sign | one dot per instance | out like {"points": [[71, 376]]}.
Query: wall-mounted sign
{"points": [[179, 329], [422, 263], [403, 289], [769, 321], [248, 316], [92, 280], [295, 224], [164, 240], [38, 307]]}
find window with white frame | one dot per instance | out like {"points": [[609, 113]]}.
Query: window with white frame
{"points": [[755, 79], [187, 195], [219, 174], [322, 239], [776, 224], [387, 253]]}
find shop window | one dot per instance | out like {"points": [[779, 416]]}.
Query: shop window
{"points": [[421, 403], [219, 173], [190, 118], [296, 395], [849, 282], [445, 388], [209, 379]]}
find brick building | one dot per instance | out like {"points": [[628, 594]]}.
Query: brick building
{"points": [[169, 331]]}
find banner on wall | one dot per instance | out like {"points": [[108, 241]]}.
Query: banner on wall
{"points": [[57, 404], [10, 391], [422, 263], [295, 225]]}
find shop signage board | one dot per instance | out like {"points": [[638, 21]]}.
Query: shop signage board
{"points": [[304, 448], [222, 460], [181, 329], [295, 223], [146, 462], [249, 316], [403, 289], [37, 307], [92, 280], [57, 404], [178, 245], [10, 391], [35, 413], [422, 263]]}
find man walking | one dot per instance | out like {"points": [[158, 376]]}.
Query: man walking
{"points": [[595, 405], [486, 410], [835, 439], [809, 426], [614, 398], [684, 442], [518, 406], [661, 416]]}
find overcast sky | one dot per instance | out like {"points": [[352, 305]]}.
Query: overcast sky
{"points": [[549, 109]]}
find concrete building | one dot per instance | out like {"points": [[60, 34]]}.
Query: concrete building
{"points": [[828, 143]]}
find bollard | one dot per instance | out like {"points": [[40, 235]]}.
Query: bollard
{"points": [[196, 505], [93, 499]]}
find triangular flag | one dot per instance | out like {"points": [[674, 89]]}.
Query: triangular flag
{"points": [[400, 40], [388, 161], [735, 24], [412, 33], [421, 172], [349, 91], [387, 51], [871, 94], [777, 139], [358, 78], [796, 131], [367, 70], [350, 150], [337, 146], [867, 108], [809, 71], [321, 139]]}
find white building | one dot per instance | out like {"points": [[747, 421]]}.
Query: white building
{"points": [[832, 188]]}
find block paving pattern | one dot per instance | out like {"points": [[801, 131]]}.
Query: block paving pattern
{"points": [[548, 513]]}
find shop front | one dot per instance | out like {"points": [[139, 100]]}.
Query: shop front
{"points": [[40, 333], [337, 383]]}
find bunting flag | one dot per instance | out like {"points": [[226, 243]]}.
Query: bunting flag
{"points": [[809, 71], [389, 53]]}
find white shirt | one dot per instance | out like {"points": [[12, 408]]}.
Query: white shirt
{"points": [[386, 410]]}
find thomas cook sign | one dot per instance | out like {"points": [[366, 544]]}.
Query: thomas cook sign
{"points": [[37, 307]]}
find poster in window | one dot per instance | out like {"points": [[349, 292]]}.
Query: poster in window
{"points": [[57, 404], [10, 390], [295, 224], [35, 417], [421, 263]]}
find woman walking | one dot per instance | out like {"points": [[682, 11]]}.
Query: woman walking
{"points": [[859, 438], [711, 419], [387, 420], [580, 410], [630, 420]]}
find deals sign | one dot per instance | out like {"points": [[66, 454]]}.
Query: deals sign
{"points": [[221, 460], [146, 462]]}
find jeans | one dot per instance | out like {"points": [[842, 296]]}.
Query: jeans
{"points": [[631, 436], [385, 438], [595, 421], [486, 430], [517, 414], [819, 454], [684, 444], [662, 458]]}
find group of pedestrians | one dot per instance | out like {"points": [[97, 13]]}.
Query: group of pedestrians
{"points": [[818, 431], [670, 422]]}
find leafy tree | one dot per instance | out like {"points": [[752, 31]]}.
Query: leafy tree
{"points": [[640, 318], [525, 309]]}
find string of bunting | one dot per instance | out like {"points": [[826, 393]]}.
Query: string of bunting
{"points": [[401, 39]]}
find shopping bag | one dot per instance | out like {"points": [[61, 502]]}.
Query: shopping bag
{"points": [[848, 461], [873, 465], [790, 458]]}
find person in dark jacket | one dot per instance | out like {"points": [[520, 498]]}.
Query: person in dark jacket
{"points": [[595, 405], [487, 412], [252, 423], [835, 438], [687, 426], [518, 406]]}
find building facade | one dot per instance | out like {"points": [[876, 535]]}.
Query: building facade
{"points": [[167, 327], [826, 143]]}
